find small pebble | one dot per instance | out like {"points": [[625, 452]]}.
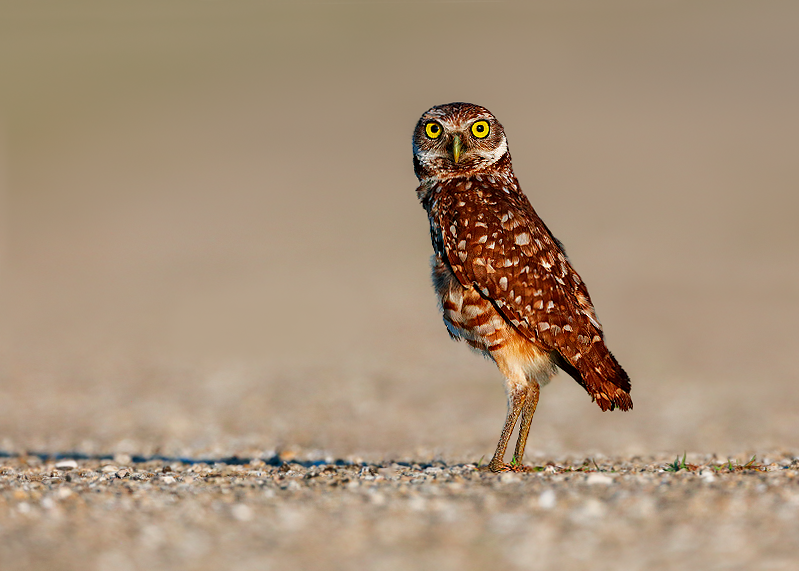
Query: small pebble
{"points": [[547, 500], [598, 479], [708, 476], [241, 512]]}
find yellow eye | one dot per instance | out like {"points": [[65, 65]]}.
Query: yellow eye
{"points": [[433, 130], [480, 129]]}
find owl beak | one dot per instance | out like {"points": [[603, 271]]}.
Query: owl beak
{"points": [[457, 149]]}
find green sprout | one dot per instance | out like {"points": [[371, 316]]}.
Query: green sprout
{"points": [[750, 465], [677, 465]]}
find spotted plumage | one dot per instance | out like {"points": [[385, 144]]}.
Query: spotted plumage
{"points": [[504, 282]]}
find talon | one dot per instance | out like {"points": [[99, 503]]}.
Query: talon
{"points": [[499, 466], [522, 468]]}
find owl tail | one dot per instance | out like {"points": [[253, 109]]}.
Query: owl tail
{"points": [[601, 376]]}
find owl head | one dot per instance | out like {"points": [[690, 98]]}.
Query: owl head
{"points": [[458, 139]]}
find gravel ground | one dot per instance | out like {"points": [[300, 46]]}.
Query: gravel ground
{"points": [[284, 512]]}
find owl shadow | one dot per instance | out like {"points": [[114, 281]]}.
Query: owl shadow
{"points": [[274, 460]]}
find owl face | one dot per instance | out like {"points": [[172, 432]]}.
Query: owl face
{"points": [[457, 139]]}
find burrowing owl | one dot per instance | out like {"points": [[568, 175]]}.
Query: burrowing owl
{"points": [[503, 281]]}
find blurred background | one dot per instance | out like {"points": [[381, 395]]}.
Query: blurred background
{"points": [[210, 240]]}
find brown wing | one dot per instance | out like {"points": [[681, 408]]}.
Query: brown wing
{"points": [[496, 242]]}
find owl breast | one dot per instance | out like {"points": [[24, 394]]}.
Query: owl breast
{"points": [[471, 317]]}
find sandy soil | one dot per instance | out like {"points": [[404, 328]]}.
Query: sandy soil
{"points": [[278, 513]]}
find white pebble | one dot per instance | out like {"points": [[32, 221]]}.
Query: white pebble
{"points": [[598, 479], [509, 478], [547, 500], [241, 512]]}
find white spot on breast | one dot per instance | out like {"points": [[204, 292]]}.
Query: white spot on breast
{"points": [[543, 326], [482, 239], [503, 283], [539, 304], [546, 264], [522, 238], [462, 255], [453, 230], [518, 300], [508, 263], [550, 305], [596, 339], [567, 328], [462, 245], [468, 185]]}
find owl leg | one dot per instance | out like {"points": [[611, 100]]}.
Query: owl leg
{"points": [[531, 401], [517, 394]]}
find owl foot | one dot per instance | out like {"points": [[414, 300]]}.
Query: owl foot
{"points": [[500, 466]]}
